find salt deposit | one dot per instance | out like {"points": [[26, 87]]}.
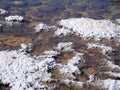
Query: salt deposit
{"points": [[2, 11], [15, 18], [113, 74], [104, 48], [0, 25], [68, 70], [107, 84], [41, 26], [76, 59], [118, 20], [65, 46], [23, 72], [74, 83], [111, 84], [71, 68], [112, 65], [89, 28], [51, 53], [94, 80], [26, 47], [1, 28], [63, 31]]}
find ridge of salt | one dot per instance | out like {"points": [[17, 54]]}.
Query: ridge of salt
{"points": [[89, 28]]}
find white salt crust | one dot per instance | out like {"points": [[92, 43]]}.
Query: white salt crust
{"points": [[89, 28], [107, 84], [112, 65], [2, 12], [104, 48], [71, 68], [0, 25], [65, 46], [23, 72], [42, 26], [114, 74], [15, 18], [118, 20]]}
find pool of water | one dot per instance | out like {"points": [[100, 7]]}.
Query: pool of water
{"points": [[49, 11]]}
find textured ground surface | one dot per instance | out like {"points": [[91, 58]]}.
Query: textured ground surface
{"points": [[72, 54]]}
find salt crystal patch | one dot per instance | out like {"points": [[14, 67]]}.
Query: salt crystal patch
{"points": [[23, 72], [75, 83], [0, 25], [71, 67], [94, 80], [113, 74], [118, 20], [7, 58], [90, 28], [76, 59], [23, 46], [42, 26], [68, 70], [110, 84], [104, 48], [26, 47], [51, 52], [2, 11], [14, 18], [63, 31], [65, 46], [112, 65]]}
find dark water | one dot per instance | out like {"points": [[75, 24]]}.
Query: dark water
{"points": [[51, 10]]}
